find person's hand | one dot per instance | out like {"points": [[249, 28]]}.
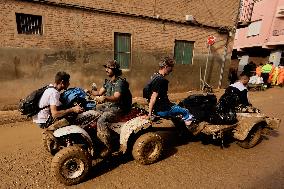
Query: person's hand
{"points": [[100, 99], [145, 116], [77, 109], [94, 87], [148, 117], [86, 91]]}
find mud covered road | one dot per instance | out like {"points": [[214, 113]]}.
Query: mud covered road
{"points": [[24, 164]]}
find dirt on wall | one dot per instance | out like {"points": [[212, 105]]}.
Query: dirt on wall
{"points": [[24, 70]]}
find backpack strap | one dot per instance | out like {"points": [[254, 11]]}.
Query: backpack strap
{"points": [[47, 87], [155, 77]]}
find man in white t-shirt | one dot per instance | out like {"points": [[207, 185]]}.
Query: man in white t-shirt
{"points": [[50, 102]]}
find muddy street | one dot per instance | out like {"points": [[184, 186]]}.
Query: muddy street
{"points": [[25, 164]]}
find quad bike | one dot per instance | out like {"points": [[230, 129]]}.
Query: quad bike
{"points": [[246, 128], [74, 147]]}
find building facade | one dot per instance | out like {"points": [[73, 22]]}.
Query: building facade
{"points": [[39, 38], [262, 39]]}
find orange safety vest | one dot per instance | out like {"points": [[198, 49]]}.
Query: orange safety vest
{"points": [[271, 74], [280, 79], [258, 70]]}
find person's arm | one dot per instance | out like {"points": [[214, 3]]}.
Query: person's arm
{"points": [[59, 113], [98, 93], [152, 103], [116, 96], [118, 90]]}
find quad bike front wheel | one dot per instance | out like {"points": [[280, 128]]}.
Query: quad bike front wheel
{"points": [[49, 143], [148, 148], [71, 165], [253, 138]]}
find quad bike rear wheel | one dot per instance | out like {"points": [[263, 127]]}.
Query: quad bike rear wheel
{"points": [[148, 148], [253, 138], [71, 165]]}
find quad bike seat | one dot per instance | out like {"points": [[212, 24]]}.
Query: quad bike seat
{"points": [[134, 112]]}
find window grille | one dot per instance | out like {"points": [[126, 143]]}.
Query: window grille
{"points": [[29, 24]]}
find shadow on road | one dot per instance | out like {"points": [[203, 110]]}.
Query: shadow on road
{"points": [[100, 167]]}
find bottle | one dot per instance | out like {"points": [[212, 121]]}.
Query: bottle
{"points": [[94, 87]]}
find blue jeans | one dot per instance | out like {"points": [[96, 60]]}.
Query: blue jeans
{"points": [[175, 111]]}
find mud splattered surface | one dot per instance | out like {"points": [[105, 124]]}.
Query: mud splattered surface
{"points": [[24, 163]]}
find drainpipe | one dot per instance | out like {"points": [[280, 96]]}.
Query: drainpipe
{"points": [[154, 11], [223, 61], [226, 46]]}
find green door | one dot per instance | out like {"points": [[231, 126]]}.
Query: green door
{"points": [[122, 51], [183, 52]]}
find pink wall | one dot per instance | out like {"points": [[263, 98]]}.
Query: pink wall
{"points": [[264, 10], [276, 35]]}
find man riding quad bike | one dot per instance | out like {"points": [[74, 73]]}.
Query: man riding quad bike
{"points": [[74, 147]]}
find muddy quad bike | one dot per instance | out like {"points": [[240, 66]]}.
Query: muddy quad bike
{"points": [[247, 131], [246, 126], [74, 147]]}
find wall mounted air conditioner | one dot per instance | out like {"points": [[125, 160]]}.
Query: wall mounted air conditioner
{"points": [[280, 11], [189, 18]]}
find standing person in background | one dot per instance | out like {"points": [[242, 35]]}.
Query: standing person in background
{"points": [[233, 75], [266, 69], [258, 69], [271, 74], [249, 69], [280, 79], [275, 75]]}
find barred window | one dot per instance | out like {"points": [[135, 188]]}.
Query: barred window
{"points": [[29, 24]]}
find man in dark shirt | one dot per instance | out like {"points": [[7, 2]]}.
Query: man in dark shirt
{"points": [[159, 102], [117, 100]]}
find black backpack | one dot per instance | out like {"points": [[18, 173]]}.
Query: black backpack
{"points": [[126, 100], [29, 106], [147, 90]]}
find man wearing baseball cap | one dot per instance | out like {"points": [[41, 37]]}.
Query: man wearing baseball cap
{"points": [[116, 100]]}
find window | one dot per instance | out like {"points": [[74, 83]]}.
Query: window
{"points": [[29, 24], [122, 49], [254, 28], [183, 52]]}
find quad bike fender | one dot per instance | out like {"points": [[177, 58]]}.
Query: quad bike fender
{"points": [[246, 121], [73, 129], [273, 123], [132, 126]]}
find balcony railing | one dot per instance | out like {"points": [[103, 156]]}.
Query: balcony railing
{"points": [[246, 11]]}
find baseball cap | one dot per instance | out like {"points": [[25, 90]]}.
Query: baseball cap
{"points": [[112, 64]]}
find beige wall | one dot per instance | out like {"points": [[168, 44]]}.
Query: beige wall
{"points": [[81, 41]]}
